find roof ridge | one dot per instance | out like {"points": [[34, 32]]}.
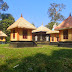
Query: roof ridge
{"points": [[66, 23], [24, 22]]}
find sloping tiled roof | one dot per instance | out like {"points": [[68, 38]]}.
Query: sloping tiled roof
{"points": [[42, 29], [2, 34], [21, 23], [51, 32], [67, 23]]}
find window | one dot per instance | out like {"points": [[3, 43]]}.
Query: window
{"points": [[24, 34], [52, 38], [57, 38], [65, 34], [13, 34], [1, 38]]}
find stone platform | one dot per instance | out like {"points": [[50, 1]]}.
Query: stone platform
{"points": [[18, 44], [43, 43], [2, 42], [65, 44], [53, 43]]}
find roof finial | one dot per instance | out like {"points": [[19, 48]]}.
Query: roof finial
{"points": [[21, 15], [42, 23], [70, 14]]}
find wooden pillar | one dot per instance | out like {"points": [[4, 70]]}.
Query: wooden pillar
{"points": [[31, 35], [17, 34], [11, 34], [55, 37], [41, 37], [50, 37], [59, 35]]}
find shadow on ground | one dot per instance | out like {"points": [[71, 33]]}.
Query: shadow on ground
{"points": [[58, 61]]}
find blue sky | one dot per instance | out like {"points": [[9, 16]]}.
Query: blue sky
{"points": [[35, 10]]}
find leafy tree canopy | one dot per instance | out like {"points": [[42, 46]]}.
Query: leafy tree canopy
{"points": [[3, 5], [33, 23], [7, 20], [7, 16], [54, 12], [50, 25]]}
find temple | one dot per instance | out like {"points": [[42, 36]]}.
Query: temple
{"points": [[65, 32], [54, 35], [2, 37], [39, 35], [21, 33]]}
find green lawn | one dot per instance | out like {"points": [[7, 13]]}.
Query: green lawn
{"points": [[43, 58]]}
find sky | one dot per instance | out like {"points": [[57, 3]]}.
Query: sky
{"points": [[35, 10]]}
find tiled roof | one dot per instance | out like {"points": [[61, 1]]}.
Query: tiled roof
{"points": [[67, 23], [21, 23], [2, 34], [51, 32], [41, 28]]}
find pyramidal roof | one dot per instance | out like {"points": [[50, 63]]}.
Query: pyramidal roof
{"points": [[2, 34], [52, 32], [67, 23], [41, 28], [21, 23]]}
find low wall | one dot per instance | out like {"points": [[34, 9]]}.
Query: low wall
{"points": [[53, 43], [22, 44], [65, 44], [43, 43], [2, 42]]}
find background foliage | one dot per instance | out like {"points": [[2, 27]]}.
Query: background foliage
{"points": [[54, 13], [50, 25], [7, 20]]}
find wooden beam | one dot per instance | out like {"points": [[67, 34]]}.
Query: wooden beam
{"points": [[17, 34], [50, 37], [31, 35], [55, 38], [59, 35], [10, 34]]}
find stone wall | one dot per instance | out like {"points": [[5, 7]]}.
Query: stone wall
{"points": [[53, 43], [22, 44], [65, 44]]}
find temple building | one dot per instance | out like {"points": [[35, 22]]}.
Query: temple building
{"points": [[39, 35], [65, 32], [54, 35], [21, 33], [2, 37]]}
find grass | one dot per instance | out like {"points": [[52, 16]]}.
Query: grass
{"points": [[43, 58]]}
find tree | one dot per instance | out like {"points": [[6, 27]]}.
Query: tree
{"points": [[3, 5], [7, 16], [33, 24], [54, 12], [7, 20], [50, 25]]}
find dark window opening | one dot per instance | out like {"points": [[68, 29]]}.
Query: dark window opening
{"points": [[1, 38], [52, 38], [13, 34], [24, 34], [65, 34], [57, 38]]}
